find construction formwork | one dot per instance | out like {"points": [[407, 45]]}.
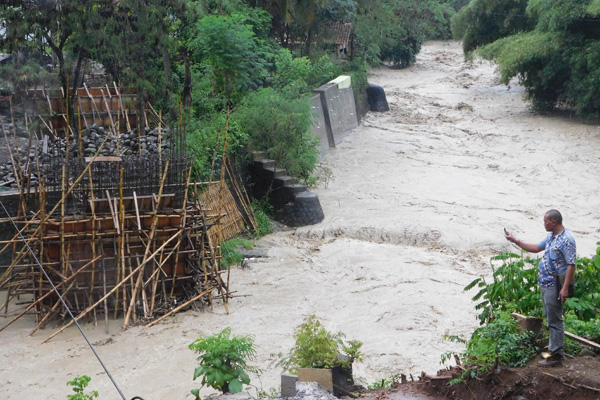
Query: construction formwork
{"points": [[127, 236]]}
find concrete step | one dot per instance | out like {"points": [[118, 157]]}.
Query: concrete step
{"points": [[265, 163], [259, 155], [297, 188], [283, 181], [277, 172]]}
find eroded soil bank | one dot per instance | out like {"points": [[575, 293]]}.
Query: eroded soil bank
{"points": [[414, 209]]}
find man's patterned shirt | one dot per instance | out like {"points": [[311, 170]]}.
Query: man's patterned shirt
{"points": [[559, 252]]}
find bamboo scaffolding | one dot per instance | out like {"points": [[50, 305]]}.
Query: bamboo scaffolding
{"points": [[120, 252], [114, 289], [180, 307], [152, 233], [39, 300]]}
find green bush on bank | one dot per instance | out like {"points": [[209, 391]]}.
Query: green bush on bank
{"points": [[514, 288], [282, 126]]}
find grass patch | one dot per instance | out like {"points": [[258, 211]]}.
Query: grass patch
{"points": [[230, 251]]}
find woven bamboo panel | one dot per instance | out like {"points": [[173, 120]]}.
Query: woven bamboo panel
{"points": [[219, 200]]}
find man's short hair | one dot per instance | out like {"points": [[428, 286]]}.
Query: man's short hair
{"points": [[554, 215]]}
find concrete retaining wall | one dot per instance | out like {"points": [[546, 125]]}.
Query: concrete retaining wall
{"points": [[334, 112]]}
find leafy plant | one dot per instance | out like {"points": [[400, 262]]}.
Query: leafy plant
{"points": [[514, 288], [497, 343], [223, 361], [588, 329], [79, 384], [282, 127], [262, 210], [230, 253], [316, 347], [483, 21]]}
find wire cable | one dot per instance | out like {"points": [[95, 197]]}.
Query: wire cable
{"points": [[63, 302]]}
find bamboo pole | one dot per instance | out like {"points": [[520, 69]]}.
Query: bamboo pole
{"points": [[159, 137], [125, 116], [245, 205], [150, 241], [112, 123], [117, 286], [12, 117], [93, 242], [137, 260], [79, 144], [121, 237], [48, 293], [41, 324], [93, 103], [183, 223], [12, 159], [112, 212], [180, 307], [137, 211], [105, 296], [18, 234]]}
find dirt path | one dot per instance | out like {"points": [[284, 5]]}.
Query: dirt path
{"points": [[416, 207]]}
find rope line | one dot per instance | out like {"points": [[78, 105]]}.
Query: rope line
{"points": [[63, 302]]}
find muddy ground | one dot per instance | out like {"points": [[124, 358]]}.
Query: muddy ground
{"points": [[415, 207]]}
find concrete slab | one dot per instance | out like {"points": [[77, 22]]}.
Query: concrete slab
{"points": [[321, 376]]}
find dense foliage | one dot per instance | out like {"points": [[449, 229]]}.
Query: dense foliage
{"points": [[498, 343], [483, 21], [225, 66], [515, 289], [551, 46]]}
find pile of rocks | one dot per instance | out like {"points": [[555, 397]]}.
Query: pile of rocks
{"points": [[92, 137], [129, 143], [7, 169]]}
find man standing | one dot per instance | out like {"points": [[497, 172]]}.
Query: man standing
{"points": [[558, 260]]}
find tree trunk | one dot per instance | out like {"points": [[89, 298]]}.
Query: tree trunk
{"points": [[187, 87], [74, 86], [140, 110], [169, 77]]}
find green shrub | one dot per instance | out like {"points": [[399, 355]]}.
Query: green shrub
{"points": [[205, 138], [514, 288], [223, 361], [484, 21], [316, 347], [497, 343], [282, 127], [230, 255], [295, 76], [262, 211], [79, 384]]}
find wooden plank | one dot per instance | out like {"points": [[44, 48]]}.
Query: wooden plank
{"points": [[103, 158], [573, 336]]}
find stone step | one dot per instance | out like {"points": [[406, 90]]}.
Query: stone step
{"points": [[277, 172], [283, 181], [297, 188], [265, 163], [259, 155]]}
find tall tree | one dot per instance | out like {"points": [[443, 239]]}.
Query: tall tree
{"points": [[484, 21], [558, 61], [37, 28]]}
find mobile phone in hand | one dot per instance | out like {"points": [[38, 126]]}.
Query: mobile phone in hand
{"points": [[505, 232]]}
